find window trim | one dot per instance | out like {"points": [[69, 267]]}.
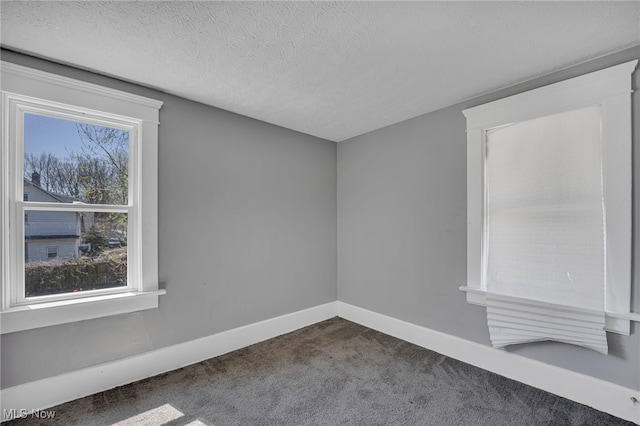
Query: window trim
{"points": [[611, 89], [22, 83], [21, 105]]}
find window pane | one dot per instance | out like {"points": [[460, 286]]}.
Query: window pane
{"points": [[70, 251], [71, 161]]}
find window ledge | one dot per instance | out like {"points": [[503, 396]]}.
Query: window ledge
{"points": [[615, 322], [38, 315]]}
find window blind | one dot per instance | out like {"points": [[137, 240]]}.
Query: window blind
{"points": [[545, 262]]}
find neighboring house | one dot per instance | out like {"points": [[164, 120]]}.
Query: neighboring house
{"points": [[50, 235]]}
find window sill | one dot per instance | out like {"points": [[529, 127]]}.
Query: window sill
{"points": [[27, 317], [615, 322]]}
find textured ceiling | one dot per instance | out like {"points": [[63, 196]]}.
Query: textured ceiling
{"points": [[329, 69]]}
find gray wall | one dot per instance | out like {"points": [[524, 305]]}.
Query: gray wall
{"points": [[402, 230], [247, 232]]}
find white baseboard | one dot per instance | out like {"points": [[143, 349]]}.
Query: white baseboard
{"points": [[599, 394], [587, 390], [56, 390]]}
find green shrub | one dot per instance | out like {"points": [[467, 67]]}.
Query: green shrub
{"points": [[66, 276], [96, 238]]}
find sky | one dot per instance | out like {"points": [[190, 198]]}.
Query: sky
{"points": [[52, 135]]}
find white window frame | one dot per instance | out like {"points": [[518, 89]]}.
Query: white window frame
{"points": [[611, 89], [19, 106], [28, 90]]}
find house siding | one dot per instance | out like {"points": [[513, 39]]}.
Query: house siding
{"points": [[37, 249], [40, 226], [36, 194], [43, 223]]}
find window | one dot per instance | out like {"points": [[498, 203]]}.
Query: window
{"points": [[80, 156], [525, 208], [52, 252]]}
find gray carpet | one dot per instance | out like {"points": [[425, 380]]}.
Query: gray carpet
{"points": [[332, 373]]}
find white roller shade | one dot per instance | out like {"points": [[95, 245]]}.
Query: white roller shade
{"points": [[545, 229]]}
